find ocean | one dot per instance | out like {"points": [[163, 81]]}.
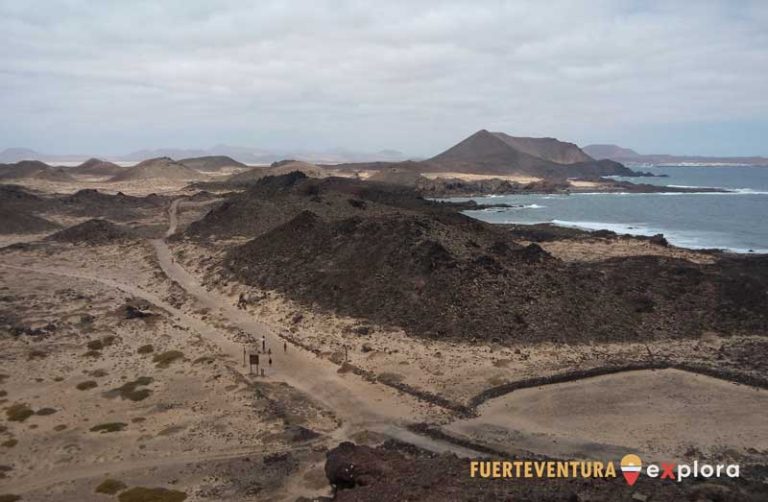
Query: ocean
{"points": [[735, 221]]}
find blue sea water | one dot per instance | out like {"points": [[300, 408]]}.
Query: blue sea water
{"points": [[736, 221]]}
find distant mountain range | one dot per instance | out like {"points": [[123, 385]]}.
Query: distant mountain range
{"points": [[631, 157], [245, 155]]}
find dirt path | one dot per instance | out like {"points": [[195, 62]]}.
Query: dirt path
{"points": [[359, 404], [173, 212]]}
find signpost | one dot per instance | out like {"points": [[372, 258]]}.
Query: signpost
{"points": [[253, 359]]}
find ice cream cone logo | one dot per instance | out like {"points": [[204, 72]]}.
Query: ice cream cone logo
{"points": [[630, 468]]}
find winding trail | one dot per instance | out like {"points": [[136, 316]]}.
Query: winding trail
{"points": [[359, 404]]}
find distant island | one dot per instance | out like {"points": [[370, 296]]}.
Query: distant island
{"points": [[632, 158]]}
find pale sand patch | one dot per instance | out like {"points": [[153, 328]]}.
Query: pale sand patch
{"points": [[659, 414], [138, 188], [199, 409], [476, 177], [601, 249], [584, 184]]}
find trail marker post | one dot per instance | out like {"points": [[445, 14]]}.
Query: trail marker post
{"points": [[254, 359]]}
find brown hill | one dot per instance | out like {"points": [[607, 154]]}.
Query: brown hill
{"points": [[159, 168], [277, 169], [34, 169], [92, 232], [251, 175], [499, 154], [120, 207], [18, 211], [98, 167], [273, 200], [55, 174], [212, 163], [18, 222], [550, 149], [609, 152], [23, 169], [289, 166]]}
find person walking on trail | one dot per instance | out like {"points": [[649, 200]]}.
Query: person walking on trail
{"points": [[270, 362], [263, 343], [285, 346], [241, 301], [269, 351]]}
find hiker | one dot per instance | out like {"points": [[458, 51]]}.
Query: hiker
{"points": [[241, 301], [263, 343], [269, 351], [270, 362], [285, 346], [262, 371]]}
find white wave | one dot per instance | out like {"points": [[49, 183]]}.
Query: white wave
{"points": [[685, 239], [619, 228], [749, 191]]}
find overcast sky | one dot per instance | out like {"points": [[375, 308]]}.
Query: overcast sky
{"points": [[417, 76]]}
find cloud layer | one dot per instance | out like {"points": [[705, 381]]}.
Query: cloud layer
{"points": [[102, 76]]}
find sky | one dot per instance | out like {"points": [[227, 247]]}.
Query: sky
{"points": [[686, 77]]}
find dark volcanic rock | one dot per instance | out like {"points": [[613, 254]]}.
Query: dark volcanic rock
{"points": [[397, 472], [93, 232], [421, 266], [212, 163], [18, 208], [659, 240], [120, 207], [17, 222], [98, 167]]}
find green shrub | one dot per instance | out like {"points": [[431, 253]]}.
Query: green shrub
{"points": [[130, 391], [92, 353], [9, 443], [7, 497], [19, 412], [145, 349], [3, 393], [46, 411], [36, 354], [109, 427], [4, 469], [111, 486], [140, 494], [108, 340], [166, 358], [88, 384], [60, 427], [95, 345]]}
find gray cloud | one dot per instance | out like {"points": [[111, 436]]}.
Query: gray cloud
{"points": [[102, 76]]}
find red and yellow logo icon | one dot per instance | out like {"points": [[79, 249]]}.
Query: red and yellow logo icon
{"points": [[630, 468]]}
